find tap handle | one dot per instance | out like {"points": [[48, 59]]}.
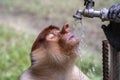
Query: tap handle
{"points": [[89, 4], [114, 13]]}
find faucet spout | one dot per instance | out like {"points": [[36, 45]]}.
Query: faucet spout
{"points": [[78, 15]]}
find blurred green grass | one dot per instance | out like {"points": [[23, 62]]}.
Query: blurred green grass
{"points": [[41, 8], [14, 52], [91, 64], [15, 49]]}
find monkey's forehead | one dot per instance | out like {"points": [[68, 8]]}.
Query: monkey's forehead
{"points": [[51, 27]]}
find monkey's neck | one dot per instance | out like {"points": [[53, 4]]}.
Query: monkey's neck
{"points": [[55, 61], [52, 56], [52, 69]]}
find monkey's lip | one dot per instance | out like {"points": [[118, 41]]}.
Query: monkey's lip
{"points": [[71, 37]]}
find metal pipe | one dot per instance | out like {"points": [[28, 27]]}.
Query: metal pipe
{"points": [[91, 13], [114, 64]]}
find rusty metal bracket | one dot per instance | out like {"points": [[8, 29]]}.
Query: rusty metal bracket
{"points": [[105, 55]]}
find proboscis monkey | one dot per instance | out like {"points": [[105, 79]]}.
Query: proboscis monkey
{"points": [[53, 56]]}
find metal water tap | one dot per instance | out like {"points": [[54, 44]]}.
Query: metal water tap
{"points": [[90, 12]]}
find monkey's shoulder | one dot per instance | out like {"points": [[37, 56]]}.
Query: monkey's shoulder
{"points": [[26, 76], [77, 74]]}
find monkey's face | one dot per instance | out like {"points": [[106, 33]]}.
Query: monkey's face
{"points": [[63, 40], [67, 37], [52, 36]]}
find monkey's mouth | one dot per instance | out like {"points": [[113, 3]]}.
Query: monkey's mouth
{"points": [[71, 37]]}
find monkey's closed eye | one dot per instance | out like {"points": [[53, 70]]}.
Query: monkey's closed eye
{"points": [[50, 36]]}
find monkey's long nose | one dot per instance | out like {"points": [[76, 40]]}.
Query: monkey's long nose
{"points": [[66, 29]]}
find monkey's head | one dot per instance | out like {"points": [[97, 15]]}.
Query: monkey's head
{"points": [[65, 39]]}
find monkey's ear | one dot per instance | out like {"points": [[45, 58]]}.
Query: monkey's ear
{"points": [[51, 37]]}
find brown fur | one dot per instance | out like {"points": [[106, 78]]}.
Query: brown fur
{"points": [[53, 56]]}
